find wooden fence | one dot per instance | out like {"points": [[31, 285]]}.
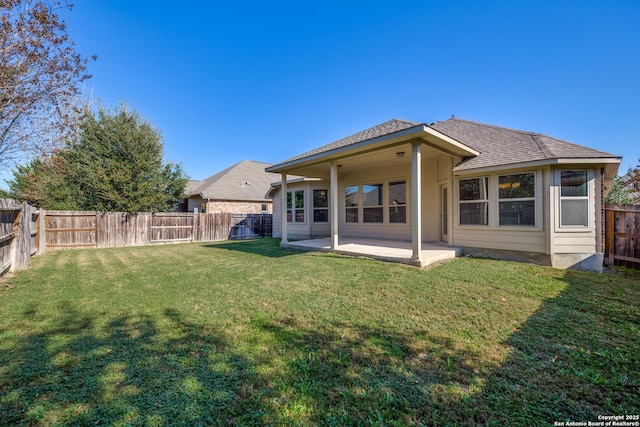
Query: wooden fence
{"points": [[25, 230], [622, 235], [71, 229], [18, 235]]}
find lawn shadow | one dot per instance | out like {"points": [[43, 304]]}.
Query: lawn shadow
{"points": [[124, 372], [574, 359], [267, 247]]}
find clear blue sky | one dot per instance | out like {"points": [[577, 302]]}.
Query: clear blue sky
{"points": [[265, 80]]}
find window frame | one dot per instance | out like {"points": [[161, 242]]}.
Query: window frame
{"points": [[587, 198], [533, 199], [294, 209], [485, 201], [379, 206], [389, 206], [320, 208]]}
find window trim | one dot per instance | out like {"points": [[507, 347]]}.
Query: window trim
{"points": [[294, 209], [403, 205], [385, 202], [533, 199], [574, 228], [487, 201], [314, 208], [381, 187]]}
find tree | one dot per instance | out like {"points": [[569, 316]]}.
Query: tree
{"points": [[620, 192], [40, 75], [115, 164]]}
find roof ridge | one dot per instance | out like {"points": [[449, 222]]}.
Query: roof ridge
{"points": [[526, 132], [544, 149]]}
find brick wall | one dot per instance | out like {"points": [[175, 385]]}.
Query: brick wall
{"points": [[217, 206]]}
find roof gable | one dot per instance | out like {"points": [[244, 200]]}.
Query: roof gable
{"points": [[386, 128], [246, 180]]}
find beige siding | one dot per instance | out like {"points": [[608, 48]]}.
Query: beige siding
{"points": [[567, 240], [494, 236]]}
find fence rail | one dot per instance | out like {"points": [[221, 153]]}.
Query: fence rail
{"points": [[26, 231], [622, 241]]}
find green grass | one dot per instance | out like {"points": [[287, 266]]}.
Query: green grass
{"points": [[247, 333]]}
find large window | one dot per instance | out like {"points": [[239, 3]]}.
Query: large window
{"points": [[295, 206], [574, 199], [351, 203], [320, 206], [398, 202], [474, 201], [372, 202], [516, 199]]}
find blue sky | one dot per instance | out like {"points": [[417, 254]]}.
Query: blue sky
{"points": [[266, 80]]}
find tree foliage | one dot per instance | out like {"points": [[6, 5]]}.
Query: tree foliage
{"points": [[40, 76], [620, 192], [115, 164]]}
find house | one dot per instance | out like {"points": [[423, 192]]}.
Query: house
{"points": [[241, 188], [488, 190]]}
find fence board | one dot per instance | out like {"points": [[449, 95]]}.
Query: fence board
{"points": [[622, 242]]}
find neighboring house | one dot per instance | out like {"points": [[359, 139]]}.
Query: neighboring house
{"points": [[490, 190], [241, 188]]}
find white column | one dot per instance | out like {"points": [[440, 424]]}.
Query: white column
{"points": [[283, 209], [416, 200], [333, 204]]}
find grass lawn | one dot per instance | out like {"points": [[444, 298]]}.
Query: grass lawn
{"points": [[246, 333]]}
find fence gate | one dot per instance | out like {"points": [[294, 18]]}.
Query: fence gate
{"points": [[622, 242], [171, 227]]}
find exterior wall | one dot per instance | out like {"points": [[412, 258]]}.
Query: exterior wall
{"points": [[307, 229], [218, 206], [576, 240], [494, 236], [385, 230]]}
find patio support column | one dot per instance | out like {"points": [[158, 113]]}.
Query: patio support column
{"points": [[283, 209], [333, 204], [416, 200]]}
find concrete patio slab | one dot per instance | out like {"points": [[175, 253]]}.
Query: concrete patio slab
{"points": [[385, 250]]}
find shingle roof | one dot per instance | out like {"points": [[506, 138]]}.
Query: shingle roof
{"points": [[497, 146], [502, 146], [246, 180], [386, 128]]}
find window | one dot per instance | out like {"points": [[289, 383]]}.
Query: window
{"points": [[295, 206], [264, 208], [474, 201], [398, 202], [574, 199], [320, 206], [372, 203], [351, 203], [516, 199]]}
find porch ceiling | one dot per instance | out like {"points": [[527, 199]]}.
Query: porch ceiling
{"points": [[381, 158]]}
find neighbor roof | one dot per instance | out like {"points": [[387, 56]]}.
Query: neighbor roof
{"points": [[503, 146], [246, 180]]}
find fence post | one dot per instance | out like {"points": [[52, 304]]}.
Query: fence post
{"points": [[15, 230], [610, 234]]}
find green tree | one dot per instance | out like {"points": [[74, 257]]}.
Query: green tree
{"points": [[115, 164], [620, 192]]}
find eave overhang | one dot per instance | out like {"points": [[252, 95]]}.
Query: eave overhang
{"points": [[610, 165], [424, 133]]}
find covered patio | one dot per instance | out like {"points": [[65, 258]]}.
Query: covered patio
{"points": [[385, 250]]}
